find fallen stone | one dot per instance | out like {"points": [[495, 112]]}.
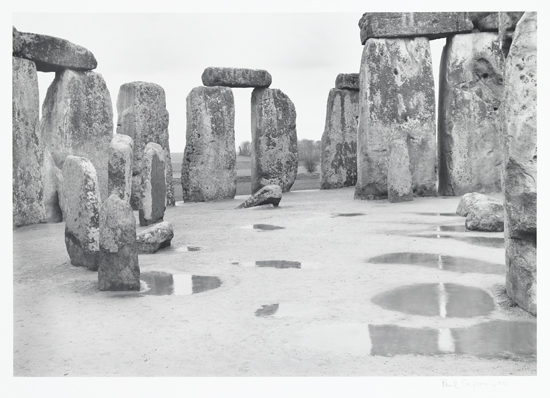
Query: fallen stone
{"points": [[118, 258], [81, 193], [236, 77], [521, 272], [274, 159], [469, 199], [208, 170], [485, 216], [142, 115], [433, 25], [471, 87], [339, 140], [270, 194], [28, 152], [153, 185], [52, 54], [507, 22], [399, 173], [347, 81], [155, 238], [121, 153]]}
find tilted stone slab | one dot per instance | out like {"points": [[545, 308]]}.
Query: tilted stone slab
{"points": [[121, 154], [236, 77], [118, 258], [274, 157], [339, 140], [396, 97], [77, 119], [52, 54], [485, 216], [208, 170], [154, 238], [433, 25], [153, 185], [143, 116], [81, 193], [270, 194], [470, 87], [347, 81], [28, 151], [399, 172]]}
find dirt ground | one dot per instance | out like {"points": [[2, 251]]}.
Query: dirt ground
{"points": [[64, 326]]}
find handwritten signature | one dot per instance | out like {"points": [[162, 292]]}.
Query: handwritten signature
{"points": [[472, 384]]}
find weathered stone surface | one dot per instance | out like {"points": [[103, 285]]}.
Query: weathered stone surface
{"points": [[153, 185], [155, 237], [484, 21], [236, 77], [52, 54], [507, 22], [142, 115], [121, 154], [396, 97], [469, 199], [270, 194], [347, 81], [521, 272], [432, 25], [77, 119], [339, 140], [470, 94], [28, 152], [208, 170], [118, 258], [274, 157], [81, 193], [399, 173], [485, 216]]}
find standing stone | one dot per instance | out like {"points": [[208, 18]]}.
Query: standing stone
{"points": [[519, 118], [347, 81], [339, 141], [81, 193], [236, 77], [470, 92], [399, 173], [118, 257], [274, 158], [121, 153], [77, 119], [28, 153], [208, 168], [153, 185], [507, 22], [142, 115], [396, 96]]}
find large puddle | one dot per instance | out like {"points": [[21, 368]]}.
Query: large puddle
{"points": [[445, 300], [263, 227], [162, 283], [485, 241]]}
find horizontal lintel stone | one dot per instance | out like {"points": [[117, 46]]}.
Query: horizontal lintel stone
{"points": [[236, 77]]}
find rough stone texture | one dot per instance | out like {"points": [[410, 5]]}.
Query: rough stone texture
{"points": [[153, 185], [77, 119], [208, 169], [121, 153], [470, 94], [236, 77], [519, 118], [81, 193], [270, 194], [432, 25], [274, 157], [507, 22], [485, 216], [399, 173], [155, 237], [347, 81], [396, 97], [118, 258], [142, 115], [28, 153], [339, 140], [468, 200], [52, 54]]}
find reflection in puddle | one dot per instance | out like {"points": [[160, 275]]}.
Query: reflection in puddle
{"points": [[438, 214], [349, 214], [485, 241], [282, 310], [389, 340], [451, 228], [448, 263], [263, 227], [281, 264], [446, 300], [188, 249], [162, 283]]}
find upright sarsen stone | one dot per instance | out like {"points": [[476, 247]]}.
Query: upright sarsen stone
{"points": [[153, 185], [274, 159], [208, 168], [399, 172], [121, 154]]}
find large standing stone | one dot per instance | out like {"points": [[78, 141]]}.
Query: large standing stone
{"points": [[28, 153], [396, 97], [153, 185], [142, 115], [470, 94], [118, 258], [236, 77], [519, 117], [274, 157], [399, 173], [121, 154], [208, 168], [77, 119], [339, 140], [507, 22], [81, 193]]}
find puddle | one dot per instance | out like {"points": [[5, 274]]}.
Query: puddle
{"points": [[389, 340], [349, 214], [188, 249], [484, 241], [282, 310], [445, 300], [163, 283], [451, 228], [439, 214], [280, 264], [263, 227], [447, 263]]}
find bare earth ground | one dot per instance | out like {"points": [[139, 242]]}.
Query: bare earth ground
{"points": [[64, 326]]}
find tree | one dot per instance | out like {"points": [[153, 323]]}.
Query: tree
{"points": [[244, 148]]}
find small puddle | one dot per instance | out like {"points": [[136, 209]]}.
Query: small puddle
{"points": [[282, 310], [438, 214], [263, 227], [162, 283], [485, 241], [188, 249], [279, 264], [445, 300], [451, 228], [349, 214]]}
